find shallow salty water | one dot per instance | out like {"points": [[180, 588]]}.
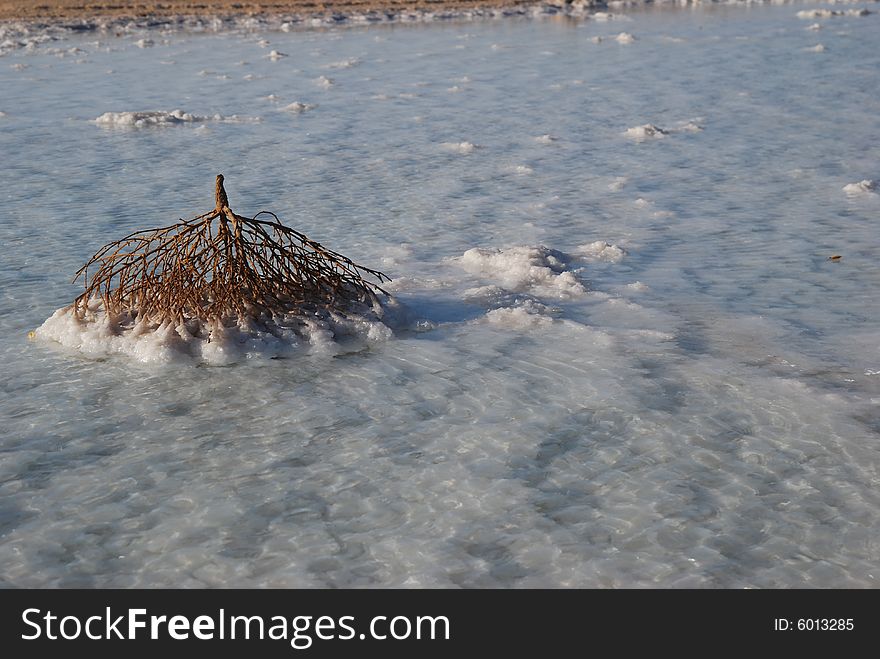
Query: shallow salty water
{"points": [[629, 360]]}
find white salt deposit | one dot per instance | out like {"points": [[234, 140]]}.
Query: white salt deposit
{"points": [[343, 64], [324, 81], [297, 107], [275, 55], [645, 132], [692, 126], [546, 139], [144, 43], [536, 270], [625, 37], [829, 13], [865, 186], [601, 251], [526, 317], [618, 183], [163, 118], [818, 48], [459, 147], [220, 344]]}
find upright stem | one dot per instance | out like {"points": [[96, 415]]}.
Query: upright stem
{"points": [[220, 194]]}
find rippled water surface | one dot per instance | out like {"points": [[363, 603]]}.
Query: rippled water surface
{"points": [[630, 361]]}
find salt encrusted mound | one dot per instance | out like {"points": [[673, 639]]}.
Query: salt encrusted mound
{"points": [[219, 287], [99, 335]]}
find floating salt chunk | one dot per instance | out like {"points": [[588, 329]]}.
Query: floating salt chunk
{"points": [[625, 37]]}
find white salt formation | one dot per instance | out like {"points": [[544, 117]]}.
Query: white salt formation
{"points": [[296, 107], [163, 118], [645, 132], [861, 187], [459, 147], [602, 251], [523, 269], [219, 344]]}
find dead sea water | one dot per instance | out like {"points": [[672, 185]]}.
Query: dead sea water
{"points": [[627, 359]]}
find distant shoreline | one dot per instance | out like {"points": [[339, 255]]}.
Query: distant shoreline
{"points": [[51, 10]]}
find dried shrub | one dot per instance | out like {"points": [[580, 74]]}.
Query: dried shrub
{"points": [[222, 265]]}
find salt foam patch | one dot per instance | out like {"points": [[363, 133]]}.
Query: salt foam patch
{"points": [[163, 118], [99, 335], [536, 270]]}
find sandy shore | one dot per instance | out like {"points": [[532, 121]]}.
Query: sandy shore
{"points": [[83, 9]]}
